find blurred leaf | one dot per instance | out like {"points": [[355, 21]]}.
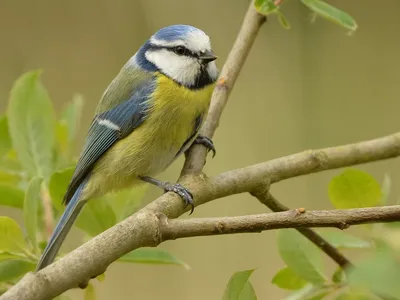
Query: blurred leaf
{"points": [[11, 269], [90, 293], [331, 13], [386, 186], [282, 20], [265, 7], [31, 124], [5, 140], [286, 279], [58, 186], [354, 188], [300, 255], [125, 202], [10, 178], [96, 217], [62, 141], [72, 116], [310, 292], [31, 204], [338, 276], [101, 277], [11, 196], [11, 237], [8, 255], [379, 273], [9, 163], [151, 256], [239, 287], [339, 239]]}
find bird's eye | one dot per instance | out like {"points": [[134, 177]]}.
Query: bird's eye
{"points": [[180, 50]]}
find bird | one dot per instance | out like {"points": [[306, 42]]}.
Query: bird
{"points": [[149, 115]]}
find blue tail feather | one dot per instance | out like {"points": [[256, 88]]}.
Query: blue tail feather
{"points": [[63, 227]]}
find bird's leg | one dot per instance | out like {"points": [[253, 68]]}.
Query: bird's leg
{"points": [[206, 142], [172, 187]]}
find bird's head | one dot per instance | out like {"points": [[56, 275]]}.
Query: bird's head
{"points": [[181, 52]]}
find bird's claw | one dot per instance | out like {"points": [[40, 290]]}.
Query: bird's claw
{"points": [[183, 192], [206, 142]]}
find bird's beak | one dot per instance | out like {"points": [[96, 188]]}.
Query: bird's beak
{"points": [[207, 56]]}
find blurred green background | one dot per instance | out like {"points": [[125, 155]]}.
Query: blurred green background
{"points": [[312, 86]]}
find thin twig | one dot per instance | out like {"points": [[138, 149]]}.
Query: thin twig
{"points": [[341, 219], [248, 32], [272, 203]]}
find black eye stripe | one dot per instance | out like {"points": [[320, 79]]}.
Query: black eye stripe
{"points": [[187, 52]]}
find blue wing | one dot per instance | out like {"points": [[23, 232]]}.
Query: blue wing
{"points": [[106, 129]]}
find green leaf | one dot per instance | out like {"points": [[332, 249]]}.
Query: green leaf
{"points": [[31, 124], [331, 13], [90, 293], [282, 20], [96, 217], [353, 189], [31, 204], [311, 292], [300, 255], [101, 277], [10, 178], [287, 279], [265, 7], [8, 255], [151, 256], [339, 239], [125, 202], [239, 287], [11, 196], [58, 186], [379, 273], [5, 140], [11, 237], [72, 116], [339, 276], [11, 269]]}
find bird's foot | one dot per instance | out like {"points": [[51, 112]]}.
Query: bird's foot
{"points": [[177, 188], [183, 192], [206, 142]]}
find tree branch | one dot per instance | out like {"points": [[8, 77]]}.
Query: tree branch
{"points": [[251, 25], [307, 162], [342, 219], [272, 203]]}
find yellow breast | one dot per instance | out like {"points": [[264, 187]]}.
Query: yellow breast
{"points": [[153, 146]]}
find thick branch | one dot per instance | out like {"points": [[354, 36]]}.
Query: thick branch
{"points": [[308, 162], [272, 203], [252, 22]]}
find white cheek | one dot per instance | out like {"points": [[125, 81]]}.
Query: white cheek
{"points": [[182, 69], [212, 70]]}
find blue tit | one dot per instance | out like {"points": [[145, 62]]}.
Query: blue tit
{"points": [[149, 115]]}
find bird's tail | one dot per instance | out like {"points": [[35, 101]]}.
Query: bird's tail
{"points": [[68, 218]]}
